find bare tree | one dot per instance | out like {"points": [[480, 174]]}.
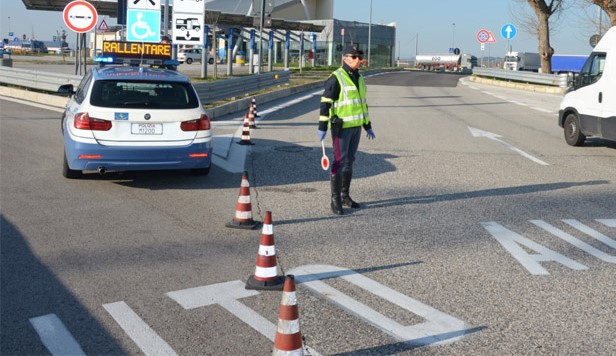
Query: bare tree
{"points": [[544, 10], [609, 6]]}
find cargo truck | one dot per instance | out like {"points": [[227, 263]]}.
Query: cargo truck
{"points": [[527, 61], [589, 106], [452, 62]]}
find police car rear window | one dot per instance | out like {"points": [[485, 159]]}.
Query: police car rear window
{"points": [[143, 95]]}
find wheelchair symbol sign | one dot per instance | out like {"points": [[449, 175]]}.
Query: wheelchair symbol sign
{"points": [[142, 26]]}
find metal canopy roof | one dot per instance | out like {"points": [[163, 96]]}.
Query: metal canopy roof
{"points": [[109, 8]]}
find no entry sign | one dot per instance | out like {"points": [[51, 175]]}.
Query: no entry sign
{"points": [[80, 16]]}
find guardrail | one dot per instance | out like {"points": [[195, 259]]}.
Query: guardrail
{"points": [[234, 87], [208, 92], [35, 79], [559, 80]]}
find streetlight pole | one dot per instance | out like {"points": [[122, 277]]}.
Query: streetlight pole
{"points": [[262, 23], [369, 34], [453, 36]]}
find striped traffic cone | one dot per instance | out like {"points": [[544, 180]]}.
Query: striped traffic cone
{"points": [[245, 139], [243, 209], [251, 117], [288, 339], [266, 272], [254, 105]]}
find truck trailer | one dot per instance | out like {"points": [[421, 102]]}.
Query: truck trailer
{"points": [[452, 62], [527, 61], [567, 63]]}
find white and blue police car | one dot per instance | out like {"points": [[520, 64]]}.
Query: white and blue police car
{"points": [[127, 116]]}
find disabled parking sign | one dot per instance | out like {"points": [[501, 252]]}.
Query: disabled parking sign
{"points": [[142, 26]]}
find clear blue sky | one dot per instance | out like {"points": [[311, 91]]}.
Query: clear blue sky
{"points": [[432, 22]]}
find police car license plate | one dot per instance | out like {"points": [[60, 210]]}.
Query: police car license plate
{"points": [[147, 129]]}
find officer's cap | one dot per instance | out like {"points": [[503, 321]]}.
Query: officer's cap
{"points": [[353, 51]]}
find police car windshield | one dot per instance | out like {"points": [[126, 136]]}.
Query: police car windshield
{"points": [[143, 95]]}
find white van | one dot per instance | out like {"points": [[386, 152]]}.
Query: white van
{"points": [[589, 107]]}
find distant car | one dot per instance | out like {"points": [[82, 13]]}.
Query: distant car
{"points": [[190, 55], [63, 50], [123, 118]]}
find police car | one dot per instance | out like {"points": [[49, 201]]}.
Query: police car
{"points": [[134, 117]]}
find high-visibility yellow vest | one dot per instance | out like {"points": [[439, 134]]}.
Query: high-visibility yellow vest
{"points": [[351, 105]]}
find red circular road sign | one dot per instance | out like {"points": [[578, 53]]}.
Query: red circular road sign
{"points": [[80, 16], [483, 36]]}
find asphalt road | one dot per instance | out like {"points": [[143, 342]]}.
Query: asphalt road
{"points": [[481, 233]]}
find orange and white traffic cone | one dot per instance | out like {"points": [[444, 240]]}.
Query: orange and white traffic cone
{"points": [[288, 339], [245, 138], [243, 209], [251, 117], [254, 106], [266, 272]]}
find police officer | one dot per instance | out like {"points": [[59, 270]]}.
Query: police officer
{"points": [[345, 111]]}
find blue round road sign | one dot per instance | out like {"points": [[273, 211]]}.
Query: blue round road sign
{"points": [[508, 31]]}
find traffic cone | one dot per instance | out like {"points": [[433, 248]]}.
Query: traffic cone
{"points": [[243, 209], [245, 139], [288, 339], [266, 272], [254, 105], [251, 117]]}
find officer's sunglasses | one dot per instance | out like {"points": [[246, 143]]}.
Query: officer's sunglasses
{"points": [[355, 57]]}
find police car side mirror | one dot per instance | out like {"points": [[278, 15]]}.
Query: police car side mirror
{"points": [[66, 90]]}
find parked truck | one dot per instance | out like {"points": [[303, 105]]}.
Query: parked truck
{"points": [[527, 61], [567, 63], [449, 61], [589, 108]]}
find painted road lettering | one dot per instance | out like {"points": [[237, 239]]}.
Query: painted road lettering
{"points": [[513, 242], [437, 329], [226, 295]]}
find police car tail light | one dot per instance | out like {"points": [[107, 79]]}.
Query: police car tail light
{"points": [[83, 121], [203, 123]]}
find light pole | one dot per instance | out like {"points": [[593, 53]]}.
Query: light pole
{"points": [[453, 36], [9, 34], [369, 34]]}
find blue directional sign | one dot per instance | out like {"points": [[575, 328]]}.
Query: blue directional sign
{"points": [[143, 26], [508, 31]]}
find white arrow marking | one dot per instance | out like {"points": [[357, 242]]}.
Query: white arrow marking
{"points": [[492, 136], [508, 30]]}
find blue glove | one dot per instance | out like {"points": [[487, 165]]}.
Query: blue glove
{"points": [[370, 134], [321, 135]]}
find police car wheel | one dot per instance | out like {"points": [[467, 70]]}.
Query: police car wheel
{"points": [[189, 60], [70, 173], [573, 135]]}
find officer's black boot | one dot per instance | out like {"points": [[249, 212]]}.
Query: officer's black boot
{"points": [[344, 194], [336, 183]]}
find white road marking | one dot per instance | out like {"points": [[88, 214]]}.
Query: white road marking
{"points": [[230, 156], [226, 295], [511, 241], [54, 335], [574, 241], [591, 232], [492, 136], [608, 222], [146, 339], [438, 328]]}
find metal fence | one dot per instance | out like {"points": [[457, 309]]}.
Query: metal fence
{"points": [[559, 80], [208, 92]]}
